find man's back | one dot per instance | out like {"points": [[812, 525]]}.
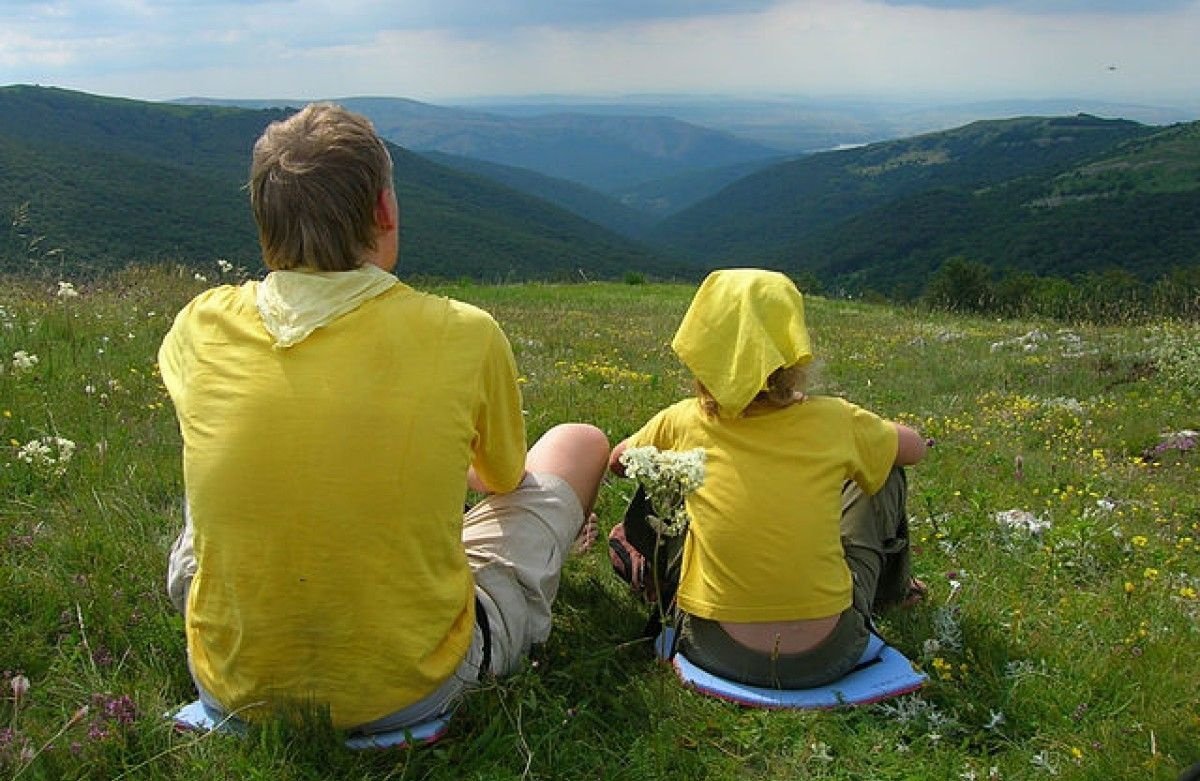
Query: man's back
{"points": [[325, 483]]}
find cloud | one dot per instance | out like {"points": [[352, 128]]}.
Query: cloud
{"points": [[489, 14], [1055, 6], [439, 50]]}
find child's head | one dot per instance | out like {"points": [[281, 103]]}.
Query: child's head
{"points": [[744, 339], [783, 388], [315, 180]]}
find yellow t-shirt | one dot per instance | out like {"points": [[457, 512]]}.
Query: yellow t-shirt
{"points": [[326, 485], [764, 542]]}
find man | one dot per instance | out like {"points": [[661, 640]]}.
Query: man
{"points": [[331, 419]]}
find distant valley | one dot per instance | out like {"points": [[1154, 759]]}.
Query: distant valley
{"points": [[603, 152]]}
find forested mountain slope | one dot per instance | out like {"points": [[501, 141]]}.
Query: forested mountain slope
{"points": [[111, 181], [1051, 195]]}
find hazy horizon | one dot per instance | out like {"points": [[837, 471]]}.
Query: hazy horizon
{"points": [[462, 51]]}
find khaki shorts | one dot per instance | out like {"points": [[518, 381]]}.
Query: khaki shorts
{"points": [[516, 545]]}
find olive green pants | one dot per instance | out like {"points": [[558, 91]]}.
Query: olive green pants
{"points": [[874, 533]]}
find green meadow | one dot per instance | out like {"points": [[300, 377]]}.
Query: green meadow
{"points": [[1056, 522]]}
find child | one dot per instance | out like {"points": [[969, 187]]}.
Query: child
{"points": [[799, 529]]}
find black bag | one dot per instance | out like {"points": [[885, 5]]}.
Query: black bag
{"points": [[649, 562]]}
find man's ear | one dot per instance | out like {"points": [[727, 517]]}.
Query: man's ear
{"points": [[386, 218]]}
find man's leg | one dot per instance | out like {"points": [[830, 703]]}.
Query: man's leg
{"points": [[517, 542], [576, 452]]}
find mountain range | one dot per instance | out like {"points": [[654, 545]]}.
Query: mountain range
{"points": [[111, 181], [603, 152], [1059, 196]]}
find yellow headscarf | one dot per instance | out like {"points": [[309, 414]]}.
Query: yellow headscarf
{"points": [[742, 325]]}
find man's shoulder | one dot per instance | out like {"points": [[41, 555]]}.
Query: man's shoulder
{"points": [[223, 300], [450, 312], [224, 297]]}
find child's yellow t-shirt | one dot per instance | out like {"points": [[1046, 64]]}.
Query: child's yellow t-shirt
{"points": [[326, 485], [764, 542]]}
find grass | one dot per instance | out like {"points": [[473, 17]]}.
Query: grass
{"points": [[1068, 653]]}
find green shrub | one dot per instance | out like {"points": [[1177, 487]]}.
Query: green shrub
{"points": [[1176, 353]]}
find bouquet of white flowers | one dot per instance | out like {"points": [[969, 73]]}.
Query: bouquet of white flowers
{"points": [[667, 477]]}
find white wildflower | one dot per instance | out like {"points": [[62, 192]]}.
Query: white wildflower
{"points": [[1064, 403], [224, 266], [47, 455], [20, 687], [199, 277], [23, 361], [1042, 761], [668, 477], [1022, 520], [66, 290], [995, 719]]}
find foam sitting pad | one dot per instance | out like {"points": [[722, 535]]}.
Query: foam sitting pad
{"points": [[882, 672], [198, 716]]}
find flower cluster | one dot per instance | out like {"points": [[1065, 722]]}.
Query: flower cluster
{"points": [[668, 477], [66, 290], [47, 455], [110, 714], [23, 361], [1022, 520]]}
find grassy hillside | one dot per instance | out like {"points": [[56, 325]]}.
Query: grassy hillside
{"points": [[873, 208], [111, 182], [1055, 520]]}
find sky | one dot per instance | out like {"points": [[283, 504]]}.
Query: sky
{"points": [[443, 51]]}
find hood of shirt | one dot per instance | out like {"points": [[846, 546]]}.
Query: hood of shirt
{"points": [[293, 304], [742, 325]]}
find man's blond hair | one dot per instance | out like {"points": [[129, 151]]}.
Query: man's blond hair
{"points": [[315, 180]]}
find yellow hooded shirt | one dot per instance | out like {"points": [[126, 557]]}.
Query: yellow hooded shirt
{"points": [[764, 542], [325, 452], [765, 539]]}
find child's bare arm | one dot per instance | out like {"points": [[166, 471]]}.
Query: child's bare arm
{"points": [[614, 458], [910, 447]]}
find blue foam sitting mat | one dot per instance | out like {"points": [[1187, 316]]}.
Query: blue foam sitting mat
{"points": [[198, 716], [882, 672]]}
